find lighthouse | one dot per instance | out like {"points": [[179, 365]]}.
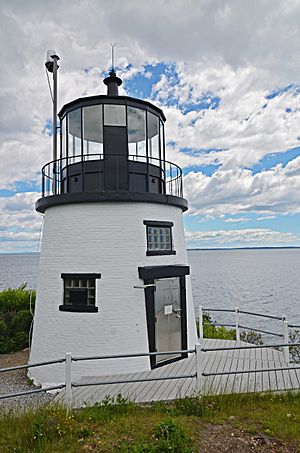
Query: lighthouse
{"points": [[113, 276]]}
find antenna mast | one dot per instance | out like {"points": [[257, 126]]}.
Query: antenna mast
{"points": [[113, 55], [52, 66]]}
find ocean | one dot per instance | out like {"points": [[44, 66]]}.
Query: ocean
{"points": [[260, 280]]}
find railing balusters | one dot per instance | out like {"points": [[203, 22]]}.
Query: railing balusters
{"points": [[170, 177], [285, 334], [68, 379], [237, 330]]}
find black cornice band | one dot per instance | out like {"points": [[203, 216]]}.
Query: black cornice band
{"points": [[93, 197]]}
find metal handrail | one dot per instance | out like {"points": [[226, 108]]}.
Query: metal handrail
{"points": [[172, 183], [260, 314], [31, 365], [138, 354], [258, 370], [30, 392], [200, 312], [74, 359], [163, 378], [252, 346], [260, 330], [244, 312], [68, 360]]}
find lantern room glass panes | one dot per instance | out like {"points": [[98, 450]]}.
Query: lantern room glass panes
{"points": [[92, 132], [144, 132], [114, 115], [74, 136], [136, 133], [161, 136], [100, 131], [63, 140], [153, 138]]}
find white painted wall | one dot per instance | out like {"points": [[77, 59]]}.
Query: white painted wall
{"points": [[107, 238]]}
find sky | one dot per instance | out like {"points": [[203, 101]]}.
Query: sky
{"points": [[225, 73]]}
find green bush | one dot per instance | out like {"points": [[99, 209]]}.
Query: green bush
{"points": [[251, 337], [212, 331], [15, 318], [294, 337]]}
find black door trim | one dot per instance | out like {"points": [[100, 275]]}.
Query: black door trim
{"points": [[149, 274]]}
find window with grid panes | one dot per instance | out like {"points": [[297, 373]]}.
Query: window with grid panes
{"points": [[159, 237], [79, 292]]}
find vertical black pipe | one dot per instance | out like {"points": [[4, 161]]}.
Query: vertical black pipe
{"points": [[54, 121]]}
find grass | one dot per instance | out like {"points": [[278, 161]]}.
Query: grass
{"points": [[121, 426]]}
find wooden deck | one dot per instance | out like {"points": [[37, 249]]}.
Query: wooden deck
{"points": [[211, 362]]}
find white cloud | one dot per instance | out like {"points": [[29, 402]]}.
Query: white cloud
{"points": [[247, 237], [20, 225], [247, 219], [235, 191], [246, 125], [230, 49]]}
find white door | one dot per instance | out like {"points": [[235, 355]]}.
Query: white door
{"points": [[167, 310]]}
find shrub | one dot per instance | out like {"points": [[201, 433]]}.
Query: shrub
{"points": [[212, 331], [15, 318], [251, 337], [294, 337]]}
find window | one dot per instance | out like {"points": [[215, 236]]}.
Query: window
{"points": [[79, 292], [92, 131], [137, 133], [153, 138], [159, 238], [114, 115], [74, 135]]}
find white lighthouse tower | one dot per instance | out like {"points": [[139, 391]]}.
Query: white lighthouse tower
{"points": [[113, 274]]}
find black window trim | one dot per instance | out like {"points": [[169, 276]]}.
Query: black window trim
{"points": [[162, 224], [79, 308], [158, 223]]}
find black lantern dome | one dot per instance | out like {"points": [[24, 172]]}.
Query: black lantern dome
{"points": [[112, 148]]}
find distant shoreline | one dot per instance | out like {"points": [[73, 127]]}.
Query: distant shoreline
{"points": [[244, 248]]}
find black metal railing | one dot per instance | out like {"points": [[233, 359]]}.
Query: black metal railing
{"points": [[111, 172]]}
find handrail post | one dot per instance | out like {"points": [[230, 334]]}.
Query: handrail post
{"points": [[68, 380], [285, 334], [199, 367], [200, 320], [237, 330]]}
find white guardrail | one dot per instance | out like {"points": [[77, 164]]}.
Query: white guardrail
{"points": [[200, 312], [198, 351]]}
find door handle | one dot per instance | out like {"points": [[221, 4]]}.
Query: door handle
{"points": [[144, 286]]}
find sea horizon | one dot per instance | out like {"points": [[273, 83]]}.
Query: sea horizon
{"points": [[190, 249]]}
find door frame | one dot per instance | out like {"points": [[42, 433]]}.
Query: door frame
{"points": [[149, 274]]}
